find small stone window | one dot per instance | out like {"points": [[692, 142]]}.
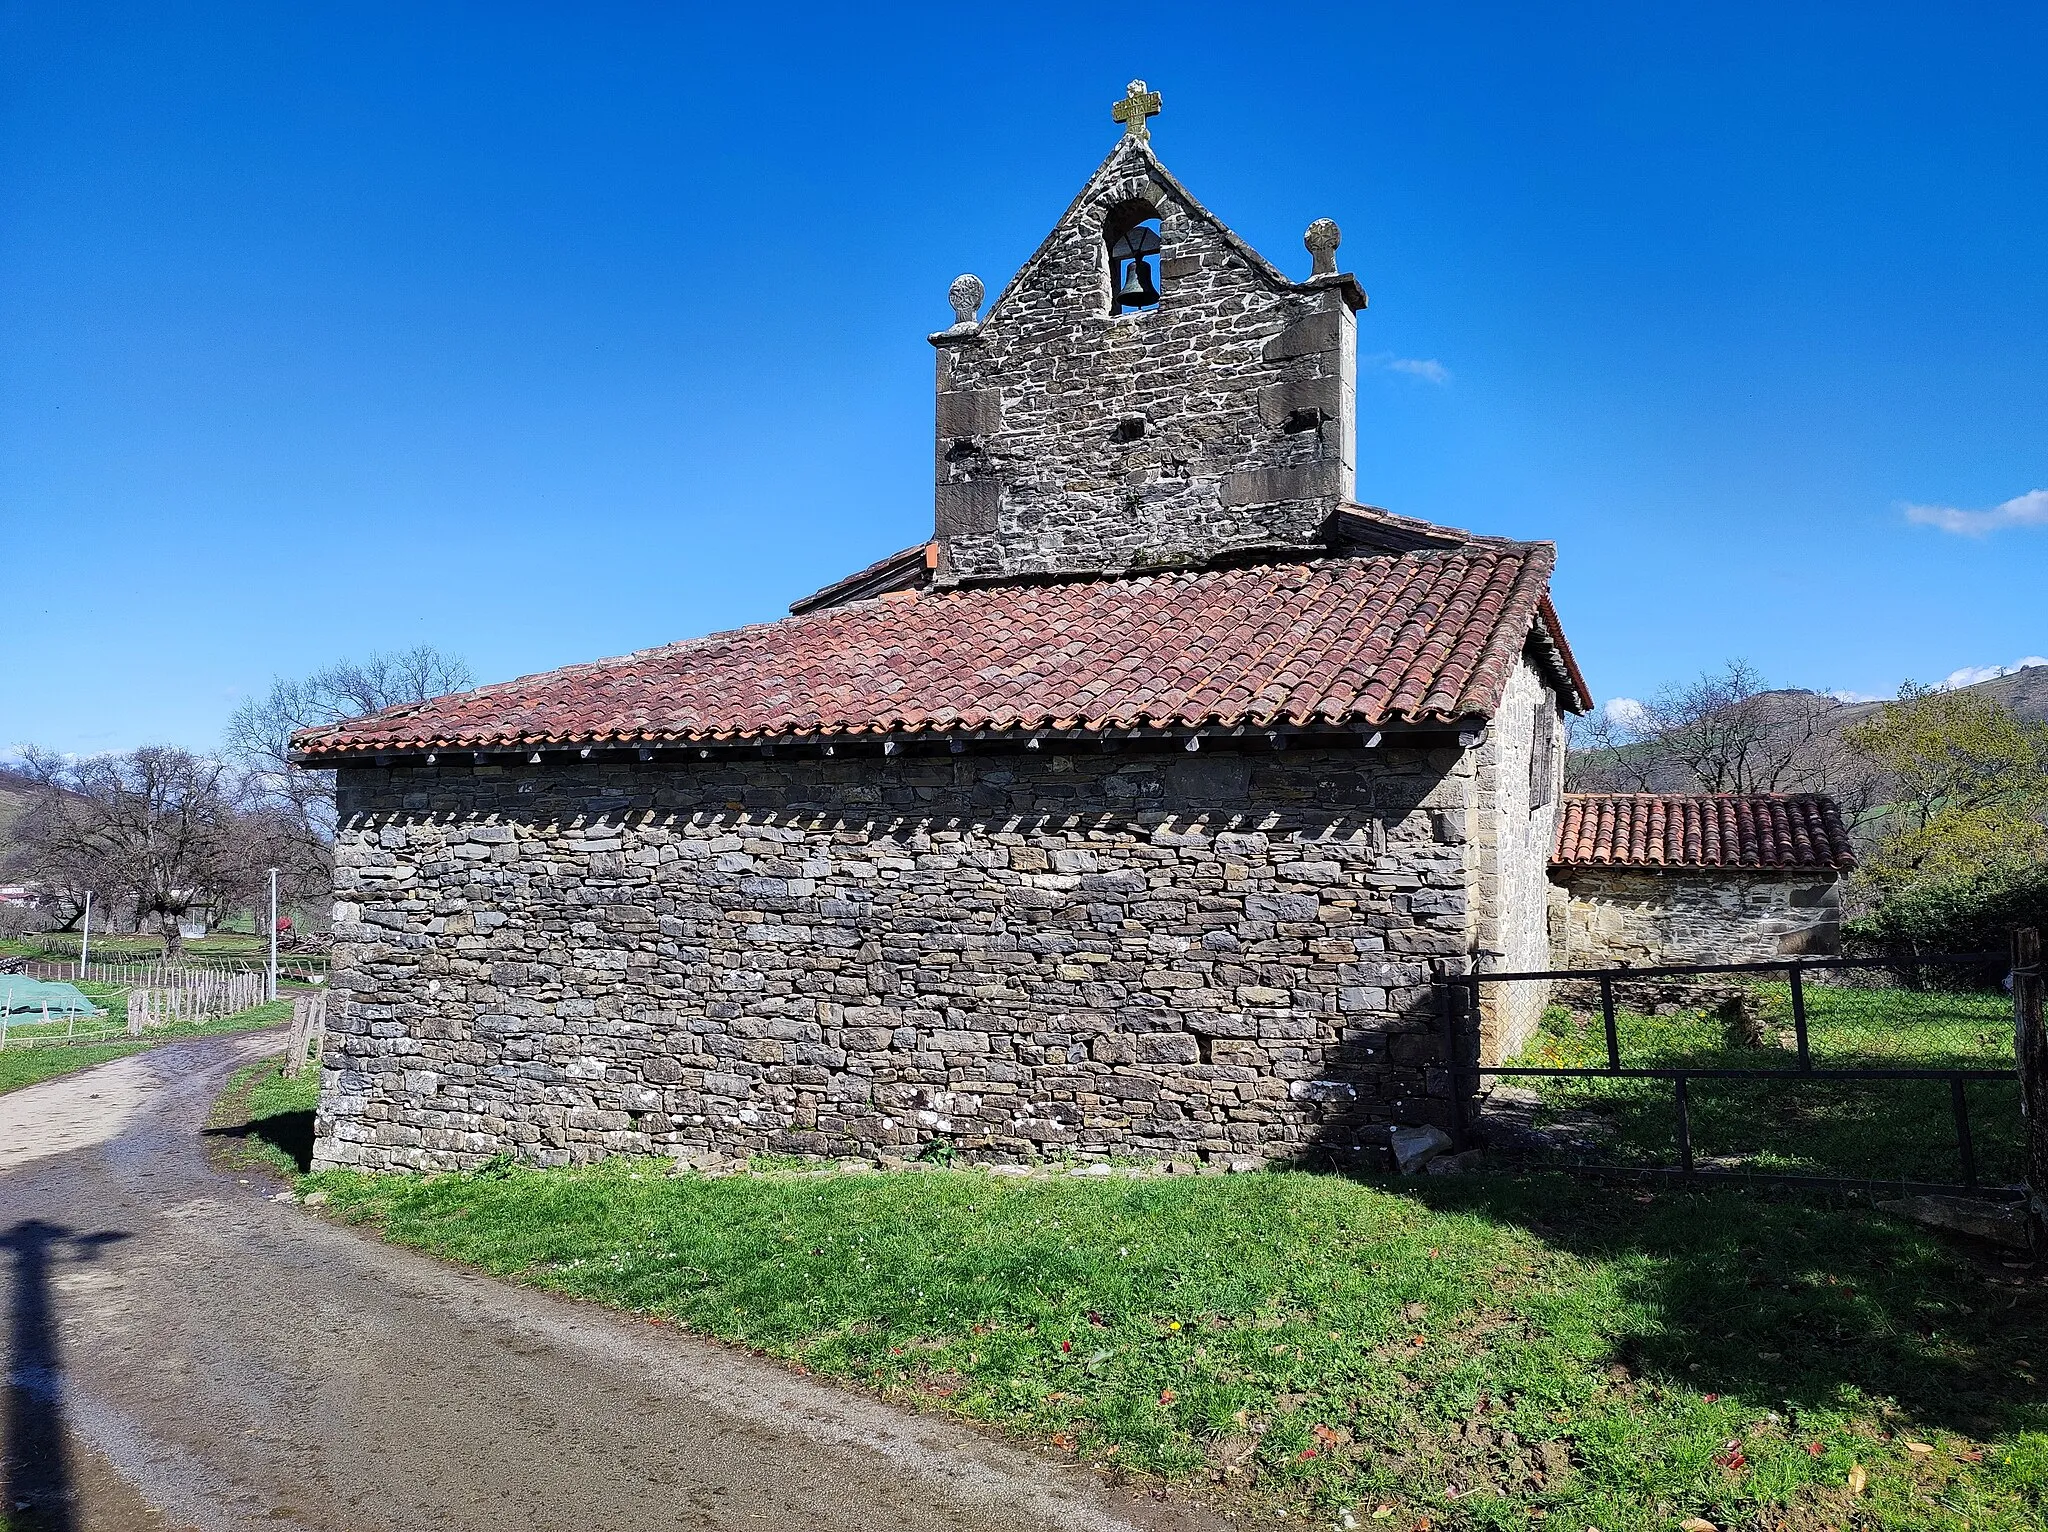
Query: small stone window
{"points": [[1542, 761], [1132, 234]]}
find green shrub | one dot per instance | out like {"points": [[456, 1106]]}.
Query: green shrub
{"points": [[1975, 914]]}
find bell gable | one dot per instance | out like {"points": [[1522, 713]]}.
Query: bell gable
{"points": [[1148, 391]]}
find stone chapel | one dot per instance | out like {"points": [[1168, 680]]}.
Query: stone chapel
{"points": [[1131, 813]]}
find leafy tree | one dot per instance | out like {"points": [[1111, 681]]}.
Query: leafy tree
{"points": [[1966, 784]]}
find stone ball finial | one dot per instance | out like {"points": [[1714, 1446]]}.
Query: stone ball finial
{"points": [[965, 296], [1322, 240]]}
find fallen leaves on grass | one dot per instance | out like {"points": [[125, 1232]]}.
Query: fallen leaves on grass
{"points": [[1697, 1524], [1859, 1478]]}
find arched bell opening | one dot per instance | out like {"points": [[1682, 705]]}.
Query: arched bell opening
{"points": [[1131, 233]]}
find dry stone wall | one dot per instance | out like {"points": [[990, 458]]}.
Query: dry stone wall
{"points": [[1621, 915], [1208, 954]]}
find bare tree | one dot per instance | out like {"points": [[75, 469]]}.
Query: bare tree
{"points": [[1725, 732], [301, 803], [159, 827]]}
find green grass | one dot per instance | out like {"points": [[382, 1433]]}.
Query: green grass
{"points": [[1471, 1349], [144, 946], [1879, 1129], [264, 1119], [216, 947], [27, 1066]]}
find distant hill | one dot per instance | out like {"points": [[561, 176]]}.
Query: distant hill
{"points": [[1826, 764], [16, 788], [2025, 692]]}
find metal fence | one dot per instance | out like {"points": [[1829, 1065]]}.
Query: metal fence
{"points": [[1459, 994]]}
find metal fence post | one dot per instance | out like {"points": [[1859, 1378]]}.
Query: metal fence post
{"points": [[1964, 1148], [1607, 1019], [1683, 1099], [1799, 1018]]}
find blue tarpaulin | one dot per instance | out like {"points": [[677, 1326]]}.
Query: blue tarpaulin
{"points": [[25, 998]]}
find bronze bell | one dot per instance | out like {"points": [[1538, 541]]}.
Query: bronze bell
{"points": [[1138, 291]]}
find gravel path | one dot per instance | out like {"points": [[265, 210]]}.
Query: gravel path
{"points": [[185, 1352]]}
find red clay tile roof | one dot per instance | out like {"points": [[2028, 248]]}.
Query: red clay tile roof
{"points": [[1425, 637], [1702, 831]]}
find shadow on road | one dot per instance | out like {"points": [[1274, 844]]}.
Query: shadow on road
{"points": [[38, 1484], [290, 1133]]}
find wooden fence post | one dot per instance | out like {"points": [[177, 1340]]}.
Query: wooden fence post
{"points": [[309, 1019], [316, 1027], [2030, 1047]]}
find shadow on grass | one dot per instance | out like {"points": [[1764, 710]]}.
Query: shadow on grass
{"points": [[289, 1133], [1791, 1302], [1880, 1129]]}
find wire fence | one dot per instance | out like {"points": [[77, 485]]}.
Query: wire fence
{"points": [[169, 996], [204, 997], [1957, 1044], [158, 974]]}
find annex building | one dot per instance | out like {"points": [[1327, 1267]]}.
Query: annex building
{"points": [[1132, 812]]}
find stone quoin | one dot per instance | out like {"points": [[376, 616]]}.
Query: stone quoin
{"points": [[1132, 813]]}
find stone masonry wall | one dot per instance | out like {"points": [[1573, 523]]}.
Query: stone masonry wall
{"points": [[1511, 854], [1035, 953], [1244, 391], [1631, 916]]}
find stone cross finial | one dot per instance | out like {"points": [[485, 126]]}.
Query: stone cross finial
{"points": [[1137, 105], [1322, 240]]}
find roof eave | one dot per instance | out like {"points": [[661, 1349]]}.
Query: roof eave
{"points": [[1423, 732]]}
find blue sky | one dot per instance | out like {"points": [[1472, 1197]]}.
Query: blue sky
{"points": [[544, 332]]}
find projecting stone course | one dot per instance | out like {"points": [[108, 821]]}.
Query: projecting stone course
{"points": [[1192, 955]]}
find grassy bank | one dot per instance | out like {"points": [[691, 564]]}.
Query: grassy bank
{"points": [[1882, 1129], [21, 1066], [1481, 1352], [264, 1120]]}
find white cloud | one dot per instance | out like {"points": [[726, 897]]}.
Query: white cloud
{"points": [[1970, 675], [1625, 712], [2028, 510], [1849, 696], [1429, 369]]}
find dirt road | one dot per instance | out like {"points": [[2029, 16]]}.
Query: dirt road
{"points": [[185, 1352]]}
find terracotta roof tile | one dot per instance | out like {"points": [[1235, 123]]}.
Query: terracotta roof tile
{"points": [[1766, 831], [1419, 637]]}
